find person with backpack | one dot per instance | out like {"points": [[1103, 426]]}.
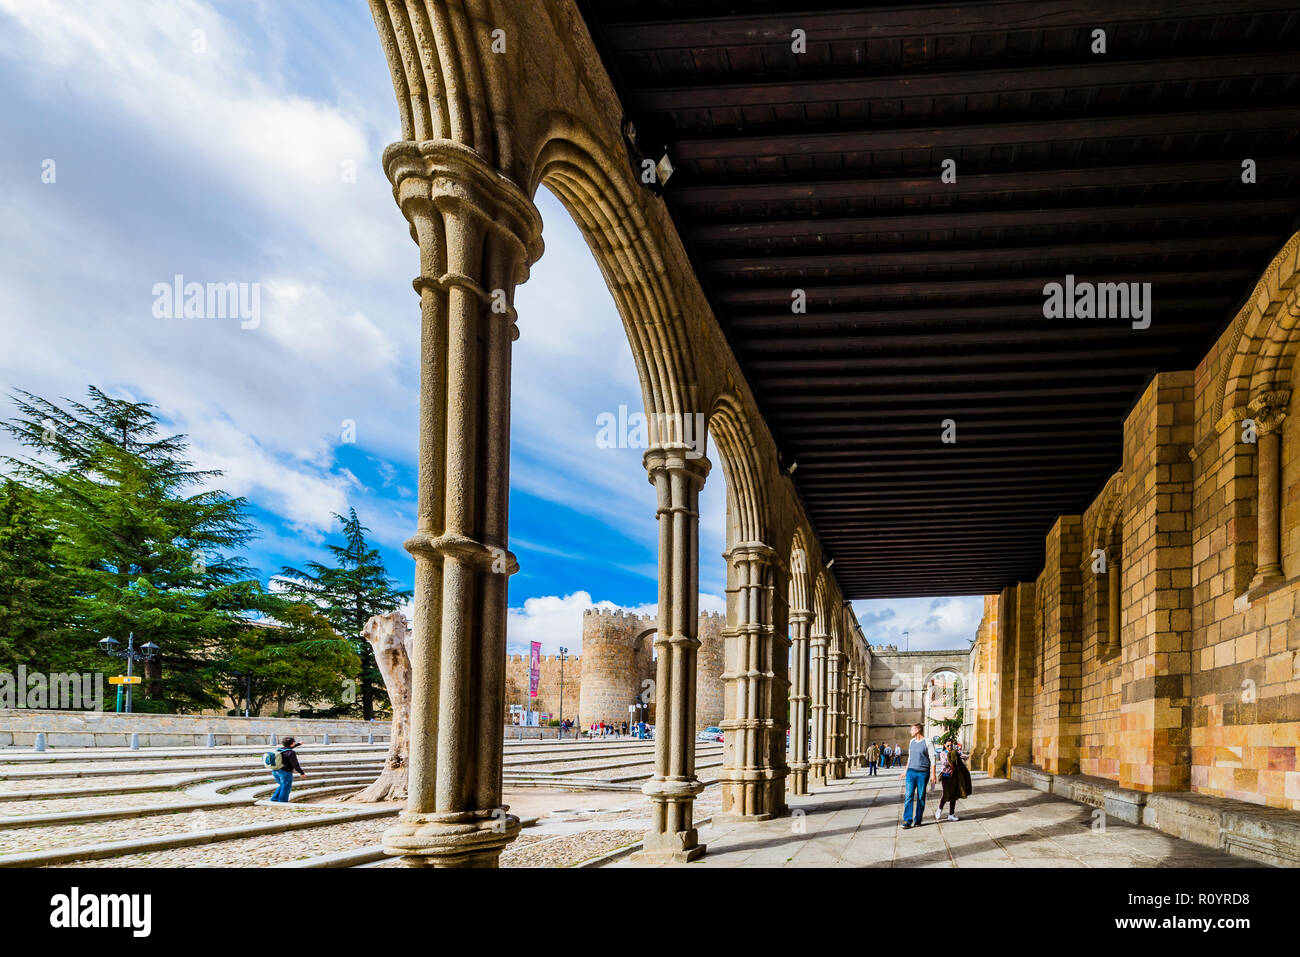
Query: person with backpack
{"points": [[282, 763]]}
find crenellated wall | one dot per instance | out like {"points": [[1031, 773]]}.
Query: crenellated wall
{"points": [[616, 669]]}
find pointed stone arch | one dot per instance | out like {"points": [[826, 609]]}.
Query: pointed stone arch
{"points": [[1265, 340]]}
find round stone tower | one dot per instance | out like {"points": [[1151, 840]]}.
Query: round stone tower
{"points": [[617, 652], [618, 662], [709, 705]]}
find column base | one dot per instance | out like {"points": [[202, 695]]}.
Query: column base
{"points": [[664, 855], [998, 765], [1265, 580], [797, 782], [463, 839]]}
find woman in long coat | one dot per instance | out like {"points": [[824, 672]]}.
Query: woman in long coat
{"points": [[955, 778]]}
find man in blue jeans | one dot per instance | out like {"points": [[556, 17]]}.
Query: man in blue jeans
{"points": [[284, 774], [921, 771]]}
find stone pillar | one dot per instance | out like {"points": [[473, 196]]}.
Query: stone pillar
{"points": [[1269, 410], [753, 775], [677, 473], [1022, 750], [818, 662], [849, 717], [799, 701], [835, 672], [1156, 646], [477, 233], [861, 745], [1002, 685]]}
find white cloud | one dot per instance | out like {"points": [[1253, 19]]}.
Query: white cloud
{"points": [[931, 623]]}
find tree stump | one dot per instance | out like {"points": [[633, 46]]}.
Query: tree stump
{"points": [[388, 636]]}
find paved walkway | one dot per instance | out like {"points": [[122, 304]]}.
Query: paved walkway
{"points": [[857, 822]]}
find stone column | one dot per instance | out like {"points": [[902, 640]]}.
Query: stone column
{"points": [[1269, 410], [799, 701], [677, 473], [753, 778], [850, 714], [477, 233], [835, 672], [859, 710], [819, 678], [1002, 684]]}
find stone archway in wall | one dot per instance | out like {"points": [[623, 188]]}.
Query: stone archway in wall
{"points": [[943, 694]]}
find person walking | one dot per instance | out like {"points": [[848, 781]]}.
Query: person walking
{"points": [[955, 778], [921, 771], [898, 756], [873, 755], [283, 762]]}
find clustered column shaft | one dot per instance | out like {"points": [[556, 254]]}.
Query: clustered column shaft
{"points": [[677, 473], [818, 668], [477, 233], [799, 702], [835, 672], [753, 775]]}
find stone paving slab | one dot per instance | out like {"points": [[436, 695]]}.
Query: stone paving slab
{"points": [[857, 822]]}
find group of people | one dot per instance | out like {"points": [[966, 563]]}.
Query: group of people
{"points": [[926, 767], [882, 756]]}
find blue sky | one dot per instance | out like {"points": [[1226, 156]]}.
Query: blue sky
{"points": [[239, 142]]}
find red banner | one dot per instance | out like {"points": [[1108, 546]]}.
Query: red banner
{"points": [[534, 668]]}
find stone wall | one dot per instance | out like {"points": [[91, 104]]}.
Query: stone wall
{"points": [[548, 685], [1159, 648], [898, 685], [618, 667], [100, 729]]}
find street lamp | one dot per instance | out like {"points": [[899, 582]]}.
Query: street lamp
{"points": [[563, 656], [148, 652]]}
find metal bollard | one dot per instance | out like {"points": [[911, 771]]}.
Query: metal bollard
{"points": [[135, 742], [327, 738], [40, 741]]}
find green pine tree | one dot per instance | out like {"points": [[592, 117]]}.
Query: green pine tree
{"points": [[33, 589], [348, 594], [296, 654], [143, 551]]}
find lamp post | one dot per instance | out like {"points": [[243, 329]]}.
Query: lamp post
{"points": [[563, 656], [148, 651]]}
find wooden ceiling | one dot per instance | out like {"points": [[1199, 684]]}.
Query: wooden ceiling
{"points": [[820, 171]]}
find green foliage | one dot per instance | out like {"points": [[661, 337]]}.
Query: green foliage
{"points": [[138, 549], [951, 726], [298, 655], [33, 590], [348, 594]]}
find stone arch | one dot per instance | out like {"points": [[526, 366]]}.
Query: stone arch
{"points": [[746, 497], [801, 581], [1265, 340], [572, 165], [1108, 535]]}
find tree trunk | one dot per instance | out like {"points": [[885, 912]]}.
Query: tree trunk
{"points": [[388, 636]]}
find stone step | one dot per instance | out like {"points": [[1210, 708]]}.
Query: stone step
{"points": [[191, 839]]}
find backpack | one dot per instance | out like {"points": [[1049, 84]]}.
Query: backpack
{"points": [[274, 760]]}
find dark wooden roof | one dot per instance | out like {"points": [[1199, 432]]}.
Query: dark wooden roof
{"points": [[821, 171]]}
